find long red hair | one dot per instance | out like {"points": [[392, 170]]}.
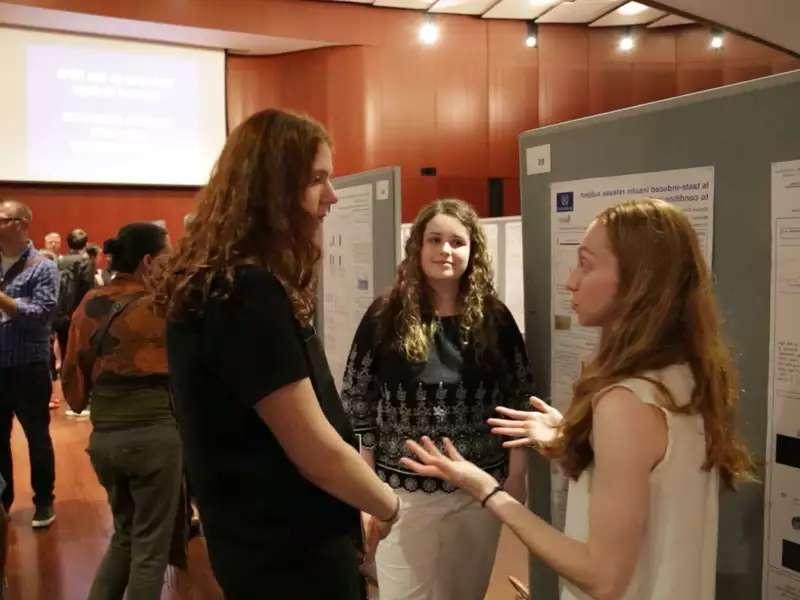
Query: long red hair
{"points": [[250, 213], [665, 313]]}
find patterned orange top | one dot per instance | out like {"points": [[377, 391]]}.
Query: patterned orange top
{"points": [[134, 346]]}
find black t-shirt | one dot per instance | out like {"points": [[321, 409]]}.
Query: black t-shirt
{"points": [[248, 491]]}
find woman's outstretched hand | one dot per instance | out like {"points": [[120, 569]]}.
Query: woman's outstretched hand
{"points": [[528, 428], [450, 466]]}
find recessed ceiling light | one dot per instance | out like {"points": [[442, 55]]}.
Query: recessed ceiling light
{"points": [[716, 39], [626, 42], [429, 32], [532, 38], [632, 8]]}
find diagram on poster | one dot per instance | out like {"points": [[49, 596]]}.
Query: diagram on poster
{"points": [[574, 205], [782, 489], [347, 272]]}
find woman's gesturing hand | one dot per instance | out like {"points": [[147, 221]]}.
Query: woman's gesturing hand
{"points": [[529, 428], [374, 531], [451, 467]]}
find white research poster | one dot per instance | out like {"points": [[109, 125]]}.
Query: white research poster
{"points": [[782, 489], [514, 292], [574, 204], [347, 273]]}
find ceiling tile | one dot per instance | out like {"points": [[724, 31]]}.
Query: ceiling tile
{"points": [[416, 4], [461, 7], [519, 9], [630, 13], [671, 20], [580, 11]]}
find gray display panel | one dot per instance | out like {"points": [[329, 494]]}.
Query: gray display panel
{"points": [[382, 187], [739, 130]]}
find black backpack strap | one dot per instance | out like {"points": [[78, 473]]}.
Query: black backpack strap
{"points": [[89, 358], [18, 267]]}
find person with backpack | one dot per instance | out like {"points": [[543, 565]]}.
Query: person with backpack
{"points": [[28, 288], [76, 277]]}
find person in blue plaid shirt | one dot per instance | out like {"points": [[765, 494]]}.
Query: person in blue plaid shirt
{"points": [[28, 294]]}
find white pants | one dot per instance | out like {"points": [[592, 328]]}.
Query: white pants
{"points": [[442, 548]]}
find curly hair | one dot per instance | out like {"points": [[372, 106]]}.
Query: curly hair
{"points": [[405, 320], [665, 313], [250, 213]]}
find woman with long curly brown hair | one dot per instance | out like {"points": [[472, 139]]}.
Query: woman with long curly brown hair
{"points": [[269, 450], [435, 357], [651, 427]]}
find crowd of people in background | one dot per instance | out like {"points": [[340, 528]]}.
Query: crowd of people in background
{"points": [[203, 367]]}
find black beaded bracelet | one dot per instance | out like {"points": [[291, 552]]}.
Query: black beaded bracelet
{"points": [[499, 488]]}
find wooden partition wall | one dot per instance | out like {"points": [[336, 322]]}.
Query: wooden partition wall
{"points": [[457, 106]]}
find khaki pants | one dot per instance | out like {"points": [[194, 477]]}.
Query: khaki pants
{"points": [[442, 548]]}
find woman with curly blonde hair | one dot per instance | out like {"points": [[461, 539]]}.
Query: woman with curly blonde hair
{"points": [[435, 357], [270, 453], [651, 427]]}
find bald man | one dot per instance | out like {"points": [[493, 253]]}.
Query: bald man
{"points": [[28, 292], [52, 243]]}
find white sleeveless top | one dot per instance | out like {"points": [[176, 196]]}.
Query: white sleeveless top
{"points": [[678, 557]]}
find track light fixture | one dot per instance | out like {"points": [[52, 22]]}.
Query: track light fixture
{"points": [[532, 37], [716, 38], [626, 42]]}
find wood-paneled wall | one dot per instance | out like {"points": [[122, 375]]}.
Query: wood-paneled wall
{"points": [[460, 105], [457, 106]]}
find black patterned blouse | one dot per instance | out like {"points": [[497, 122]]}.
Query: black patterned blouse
{"points": [[390, 399]]}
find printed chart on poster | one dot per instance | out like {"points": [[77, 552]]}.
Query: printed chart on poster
{"points": [[574, 204], [347, 272], [782, 489]]}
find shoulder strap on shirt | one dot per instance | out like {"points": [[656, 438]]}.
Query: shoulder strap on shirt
{"points": [[18, 267]]}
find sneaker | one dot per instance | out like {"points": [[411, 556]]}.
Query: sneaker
{"points": [[44, 516]]}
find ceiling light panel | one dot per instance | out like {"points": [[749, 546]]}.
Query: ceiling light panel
{"points": [[581, 11], [671, 21], [617, 19], [631, 8], [415, 4], [519, 9], [461, 7]]}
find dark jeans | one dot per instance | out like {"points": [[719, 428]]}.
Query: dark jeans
{"points": [[62, 333], [25, 392], [141, 469]]}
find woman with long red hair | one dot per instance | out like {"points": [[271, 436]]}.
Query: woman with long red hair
{"points": [[269, 450], [651, 427]]}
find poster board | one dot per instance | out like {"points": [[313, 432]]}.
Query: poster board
{"points": [[360, 241], [782, 484]]}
